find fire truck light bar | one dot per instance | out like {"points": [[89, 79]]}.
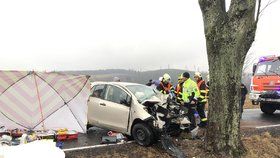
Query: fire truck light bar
{"points": [[267, 58]]}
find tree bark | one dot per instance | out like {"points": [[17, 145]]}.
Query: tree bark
{"points": [[229, 35]]}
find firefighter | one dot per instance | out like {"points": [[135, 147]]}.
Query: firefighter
{"points": [[190, 96], [244, 92], [165, 86], [179, 90], [201, 99]]}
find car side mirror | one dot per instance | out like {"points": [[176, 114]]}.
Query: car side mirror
{"points": [[254, 68], [129, 100]]}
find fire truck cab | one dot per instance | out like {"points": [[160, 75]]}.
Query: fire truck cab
{"points": [[265, 84]]}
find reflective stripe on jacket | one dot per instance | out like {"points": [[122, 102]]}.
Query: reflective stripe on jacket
{"points": [[202, 90], [178, 91], [190, 90]]}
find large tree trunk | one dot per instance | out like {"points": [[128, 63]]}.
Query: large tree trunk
{"points": [[229, 36]]}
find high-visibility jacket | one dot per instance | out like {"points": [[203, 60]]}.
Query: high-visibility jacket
{"points": [[179, 92], [190, 90], [202, 90]]}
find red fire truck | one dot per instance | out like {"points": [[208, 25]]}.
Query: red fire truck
{"points": [[265, 84]]}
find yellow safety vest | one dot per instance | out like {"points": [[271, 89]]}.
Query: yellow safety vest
{"points": [[190, 87]]}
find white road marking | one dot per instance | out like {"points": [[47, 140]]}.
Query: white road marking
{"points": [[95, 146], [257, 109], [268, 126]]}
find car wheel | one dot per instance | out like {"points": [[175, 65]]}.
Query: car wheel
{"points": [[267, 108], [254, 102], [142, 134], [89, 126]]}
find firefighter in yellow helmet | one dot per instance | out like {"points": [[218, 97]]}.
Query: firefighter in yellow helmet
{"points": [[165, 85], [190, 96], [201, 99], [179, 90]]}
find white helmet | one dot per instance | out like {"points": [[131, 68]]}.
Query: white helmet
{"points": [[160, 78], [197, 74], [166, 77], [116, 79]]}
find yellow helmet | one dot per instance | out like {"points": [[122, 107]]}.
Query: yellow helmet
{"points": [[197, 74], [180, 77]]}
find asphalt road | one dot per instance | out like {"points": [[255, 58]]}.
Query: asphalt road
{"points": [[91, 138], [254, 118], [251, 119]]}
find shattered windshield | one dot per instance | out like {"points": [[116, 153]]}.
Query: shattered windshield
{"points": [[141, 92], [268, 68]]}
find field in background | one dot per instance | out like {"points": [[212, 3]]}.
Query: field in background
{"points": [[248, 104]]}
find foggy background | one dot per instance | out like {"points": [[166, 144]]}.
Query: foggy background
{"points": [[124, 34]]}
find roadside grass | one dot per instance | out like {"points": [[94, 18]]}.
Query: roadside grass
{"points": [[257, 146], [262, 146]]}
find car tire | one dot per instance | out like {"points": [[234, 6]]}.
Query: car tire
{"points": [[254, 102], [143, 134], [89, 126], [267, 108]]}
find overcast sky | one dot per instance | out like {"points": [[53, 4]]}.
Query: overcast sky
{"points": [[101, 34]]}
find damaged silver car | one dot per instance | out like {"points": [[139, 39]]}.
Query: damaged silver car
{"points": [[134, 109]]}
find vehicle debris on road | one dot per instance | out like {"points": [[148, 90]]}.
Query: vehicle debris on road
{"points": [[113, 137]]}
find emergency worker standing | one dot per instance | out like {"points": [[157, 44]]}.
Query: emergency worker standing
{"points": [[190, 97], [179, 90], [201, 99], [244, 92]]}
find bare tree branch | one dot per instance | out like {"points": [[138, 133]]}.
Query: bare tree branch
{"points": [[268, 4], [249, 60], [258, 12], [223, 5]]}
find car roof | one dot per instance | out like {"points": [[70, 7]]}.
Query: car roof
{"points": [[115, 83]]}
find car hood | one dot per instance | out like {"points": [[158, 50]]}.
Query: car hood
{"points": [[153, 99]]}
